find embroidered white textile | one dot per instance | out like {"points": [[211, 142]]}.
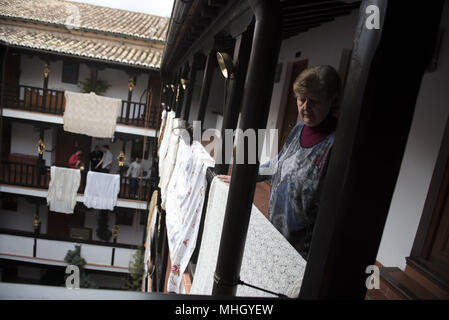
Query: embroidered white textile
{"points": [[63, 188], [89, 114], [269, 261], [185, 199]]}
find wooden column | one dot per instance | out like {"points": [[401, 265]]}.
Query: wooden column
{"points": [[197, 63], [211, 63], [46, 74], [4, 54], [236, 88], [93, 78], [256, 103], [179, 97]]}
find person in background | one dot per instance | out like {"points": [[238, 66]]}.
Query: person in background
{"points": [[105, 163], [301, 165], [134, 172], [75, 160], [95, 157]]}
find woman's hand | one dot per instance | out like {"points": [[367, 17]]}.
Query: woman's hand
{"points": [[224, 178]]}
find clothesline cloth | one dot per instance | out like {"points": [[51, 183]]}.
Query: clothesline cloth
{"points": [[90, 114], [62, 190], [161, 131], [164, 137], [185, 199], [269, 261], [152, 211], [152, 228], [101, 190], [169, 161]]}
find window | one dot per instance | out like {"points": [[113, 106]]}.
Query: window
{"points": [[9, 203], [124, 217], [70, 72], [137, 148]]}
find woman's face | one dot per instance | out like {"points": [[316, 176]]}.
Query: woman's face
{"points": [[312, 110]]}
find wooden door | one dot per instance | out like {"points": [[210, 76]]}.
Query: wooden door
{"points": [[430, 252], [438, 241], [6, 139], [291, 109], [58, 223], [12, 75], [67, 143]]}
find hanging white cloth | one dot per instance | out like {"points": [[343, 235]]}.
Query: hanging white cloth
{"points": [[269, 261], [185, 199], [169, 160], [62, 190], [101, 190], [147, 254], [89, 114], [164, 137]]}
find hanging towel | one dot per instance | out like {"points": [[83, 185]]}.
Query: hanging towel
{"points": [[170, 158], [269, 261], [151, 227], [160, 134], [62, 190], [185, 199], [89, 114], [164, 135], [101, 190], [153, 203]]}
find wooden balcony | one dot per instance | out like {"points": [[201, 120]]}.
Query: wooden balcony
{"points": [[51, 101], [35, 176]]}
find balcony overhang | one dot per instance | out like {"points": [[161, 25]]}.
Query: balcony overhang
{"points": [[42, 193], [57, 119]]}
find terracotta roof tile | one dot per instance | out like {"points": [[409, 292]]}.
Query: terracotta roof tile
{"points": [[64, 42], [87, 17]]}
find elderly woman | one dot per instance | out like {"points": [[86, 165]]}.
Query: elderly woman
{"points": [[301, 165]]}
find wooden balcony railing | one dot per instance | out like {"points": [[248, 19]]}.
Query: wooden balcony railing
{"points": [[24, 174], [53, 102], [31, 175]]}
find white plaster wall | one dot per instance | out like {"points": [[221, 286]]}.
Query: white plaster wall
{"points": [[22, 219], [127, 234], [420, 155], [32, 75], [24, 138], [16, 245], [123, 257]]}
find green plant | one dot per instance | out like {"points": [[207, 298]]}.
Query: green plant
{"points": [[73, 257], [101, 87], [136, 270], [103, 231]]}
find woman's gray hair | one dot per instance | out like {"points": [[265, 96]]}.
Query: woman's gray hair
{"points": [[321, 81]]}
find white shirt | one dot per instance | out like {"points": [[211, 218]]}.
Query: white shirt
{"points": [[134, 170]]}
